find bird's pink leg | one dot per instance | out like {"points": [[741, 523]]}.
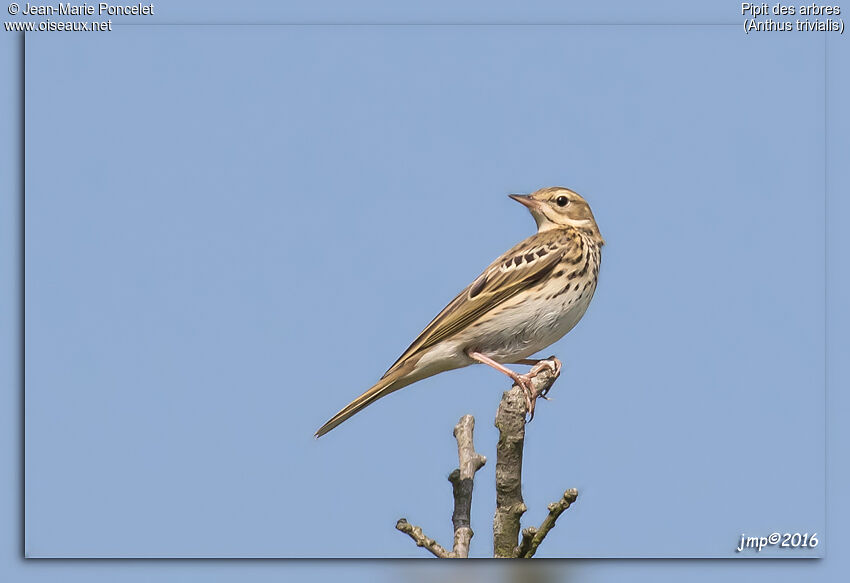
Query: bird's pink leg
{"points": [[523, 380]]}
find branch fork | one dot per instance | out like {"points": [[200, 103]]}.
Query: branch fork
{"points": [[511, 422], [469, 462]]}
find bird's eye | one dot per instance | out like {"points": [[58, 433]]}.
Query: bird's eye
{"points": [[562, 201]]}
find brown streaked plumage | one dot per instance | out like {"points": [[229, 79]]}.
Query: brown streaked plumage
{"points": [[524, 301]]}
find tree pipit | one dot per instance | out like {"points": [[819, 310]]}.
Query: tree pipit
{"points": [[524, 301]]}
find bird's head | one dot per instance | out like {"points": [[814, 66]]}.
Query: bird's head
{"points": [[557, 207]]}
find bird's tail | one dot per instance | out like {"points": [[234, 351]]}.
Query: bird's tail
{"points": [[385, 386]]}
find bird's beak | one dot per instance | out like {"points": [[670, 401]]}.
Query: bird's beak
{"points": [[525, 199]]}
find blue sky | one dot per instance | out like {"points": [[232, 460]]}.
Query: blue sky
{"points": [[227, 241]]}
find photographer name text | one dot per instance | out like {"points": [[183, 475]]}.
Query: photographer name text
{"points": [[86, 9]]}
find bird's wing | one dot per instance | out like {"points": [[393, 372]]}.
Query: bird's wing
{"points": [[518, 269]]}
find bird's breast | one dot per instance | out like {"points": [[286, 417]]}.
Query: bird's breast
{"points": [[533, 320], [526, 323]]}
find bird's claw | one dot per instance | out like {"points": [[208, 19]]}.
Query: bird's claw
{"points": [[524, 381]]}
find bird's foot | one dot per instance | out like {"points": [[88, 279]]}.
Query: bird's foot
{"points": [[525, 382], [553, 364]]}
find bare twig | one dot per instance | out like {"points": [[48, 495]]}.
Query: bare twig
{"points": [[510, 420], [537, 535], [421, 540], [469, 462], [527, 536]]}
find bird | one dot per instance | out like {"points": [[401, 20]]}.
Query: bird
{"points": [[524, 301]]}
